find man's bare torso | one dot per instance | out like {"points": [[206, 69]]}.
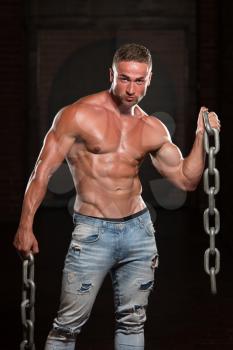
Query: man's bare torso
{"points": [[104, 138], [105, 159]]}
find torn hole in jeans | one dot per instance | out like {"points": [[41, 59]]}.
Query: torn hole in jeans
{"points": [[146, 286], [155, 262], [62, 334], [76, 247], [85, 288]]}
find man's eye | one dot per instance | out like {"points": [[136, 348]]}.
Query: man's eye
{"points": [[140, 82]]}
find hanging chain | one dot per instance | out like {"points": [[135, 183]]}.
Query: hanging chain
{"points": [[27, 304], [211, 217]]}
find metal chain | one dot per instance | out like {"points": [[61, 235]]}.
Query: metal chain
{"points": [[211, 217], [27, 304]]}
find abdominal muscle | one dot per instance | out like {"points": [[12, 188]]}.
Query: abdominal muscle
{"points": [[109, 190]]}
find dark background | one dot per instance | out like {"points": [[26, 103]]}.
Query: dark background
{"points": [[53, 52]]}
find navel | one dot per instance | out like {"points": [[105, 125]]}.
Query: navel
{"points": [[96, 149]]}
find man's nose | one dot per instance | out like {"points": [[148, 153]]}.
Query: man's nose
{"points": [[130, 89]]}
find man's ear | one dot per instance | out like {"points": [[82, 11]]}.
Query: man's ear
{"points": [[111, 74]]}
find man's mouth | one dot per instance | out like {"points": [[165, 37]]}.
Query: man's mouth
{"points": [[130, 98]]}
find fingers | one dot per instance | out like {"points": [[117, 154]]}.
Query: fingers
{"points": [[203, 109], [35, 248], [214, 121], [213, 118], [24, 252], [26, 245]]}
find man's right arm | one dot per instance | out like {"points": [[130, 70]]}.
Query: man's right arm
{"points": [[56, 146]]}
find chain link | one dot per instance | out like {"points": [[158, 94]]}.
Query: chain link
{"points": [[211, 215], [27, 304]]}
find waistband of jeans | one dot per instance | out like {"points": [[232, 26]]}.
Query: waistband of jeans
{"points": [[78, 216]]}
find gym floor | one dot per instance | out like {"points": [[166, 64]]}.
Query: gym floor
{"points": [[182, 312]]}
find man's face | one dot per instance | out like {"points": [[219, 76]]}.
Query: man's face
{"points": [[130, 80]]}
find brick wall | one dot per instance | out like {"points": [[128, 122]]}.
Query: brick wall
{"points": [[12, 102]]}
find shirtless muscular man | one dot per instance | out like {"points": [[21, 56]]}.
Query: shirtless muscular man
{"points": [[104, 138]]}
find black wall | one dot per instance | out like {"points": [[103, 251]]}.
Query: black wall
{"points": [[42, 44]]}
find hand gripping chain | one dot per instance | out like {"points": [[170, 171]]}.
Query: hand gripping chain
{"points": [[211, 214], [27, 304]]}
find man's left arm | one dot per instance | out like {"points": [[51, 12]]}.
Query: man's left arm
{"points": [[186, 172]]}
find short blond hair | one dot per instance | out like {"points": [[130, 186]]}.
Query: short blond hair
{"points": [[132, 52]]}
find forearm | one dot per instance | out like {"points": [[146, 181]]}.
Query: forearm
{"points": [[33, 197], [193, 164]]}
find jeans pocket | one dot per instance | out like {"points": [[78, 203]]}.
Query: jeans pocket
{"points": [[149, 228], [86, 233]]}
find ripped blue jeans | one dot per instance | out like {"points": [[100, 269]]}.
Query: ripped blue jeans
{"points": [[127, 249]]}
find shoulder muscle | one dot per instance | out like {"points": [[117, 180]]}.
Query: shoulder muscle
{"points": [[158, 132]]}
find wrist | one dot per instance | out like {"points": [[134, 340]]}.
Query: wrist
{"points": [[26, 227], [200, 131]]}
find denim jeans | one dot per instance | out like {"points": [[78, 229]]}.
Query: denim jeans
{"points": [[127, 249]]}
